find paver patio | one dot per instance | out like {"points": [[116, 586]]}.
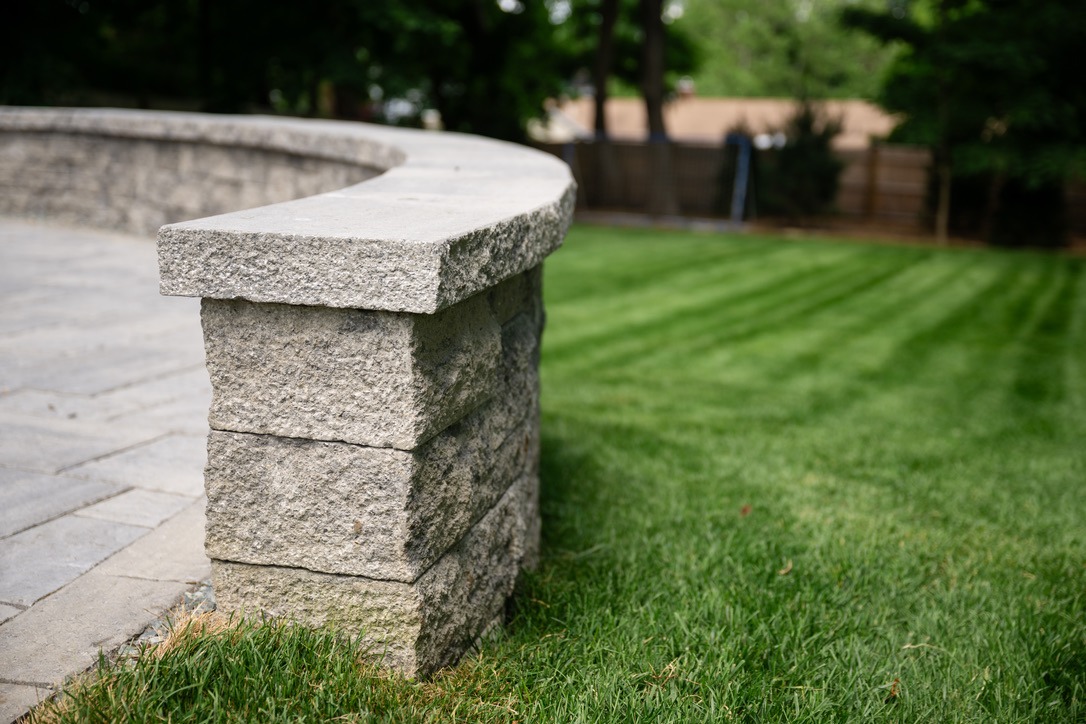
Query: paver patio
{"points": [[103, 422]]}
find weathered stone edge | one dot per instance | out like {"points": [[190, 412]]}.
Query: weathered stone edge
{"points": [[404, 241], [384, 274]]}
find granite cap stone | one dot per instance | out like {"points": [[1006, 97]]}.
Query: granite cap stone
{"points": [[451, 215]]}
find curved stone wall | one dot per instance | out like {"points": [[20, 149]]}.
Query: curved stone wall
{"points": [[134, 172], [373, 349]]}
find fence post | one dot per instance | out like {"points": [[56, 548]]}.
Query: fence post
{"points": [[871, 190]]}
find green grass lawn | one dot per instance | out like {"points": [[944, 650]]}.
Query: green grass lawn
{"points": [[804, 481]]}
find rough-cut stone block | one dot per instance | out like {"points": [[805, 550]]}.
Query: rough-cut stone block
{"points": [[517, 388], [65, 632], [342, 508], [520, 294], [38, 561], [305, 252], [450, 217], [372, 378], [415, 627]]}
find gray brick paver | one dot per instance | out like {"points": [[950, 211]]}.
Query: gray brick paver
{"points": [[17, 698], [189, 388], [50, 446], [171, 464], [40, 560], [103, 390], [28, 499], [62, 635], [146, 508], [8, 612]]}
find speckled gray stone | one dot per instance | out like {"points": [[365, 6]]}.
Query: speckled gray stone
{"points": [[456, 217], [520, 294], [450, 216], [344, 508], [371, 378], [415, 627], [397, 256], [139, 184], [340, 508]]}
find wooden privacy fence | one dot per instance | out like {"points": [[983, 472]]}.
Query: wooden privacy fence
{"points": [[883, 184]]}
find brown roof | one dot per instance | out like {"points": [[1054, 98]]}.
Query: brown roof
{"points": [[708, 119]]}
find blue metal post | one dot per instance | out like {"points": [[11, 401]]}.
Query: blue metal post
{"points": [[742, 174]]}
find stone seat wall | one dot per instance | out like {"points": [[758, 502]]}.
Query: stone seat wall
{"points": [[373, 349]]}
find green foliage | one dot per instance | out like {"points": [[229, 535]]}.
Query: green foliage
{"points": [[1026, 215], [782, 481], [994, 86], [800, 180], [486, 70], [1015, 101], [1030, 215], [579, 34], [783, 48]]}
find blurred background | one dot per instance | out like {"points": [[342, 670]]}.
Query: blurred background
{"points": [[952, 119]]}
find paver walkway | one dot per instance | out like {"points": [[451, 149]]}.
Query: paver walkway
{"points": [[103, 423]]}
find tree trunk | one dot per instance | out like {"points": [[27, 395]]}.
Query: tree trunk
{"points": [[206, 45], [601, 69], [943, 153], [608, 191], [944, 176], [991, 207], [661, 197]]}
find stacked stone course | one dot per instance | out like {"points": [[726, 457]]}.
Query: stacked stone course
{"points": [[137, 185], [405, 513]]}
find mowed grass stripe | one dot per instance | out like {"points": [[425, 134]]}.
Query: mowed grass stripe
{"points": [[597, 281], [905, 300], [953, 327], [791, 312], [611, 284], [703, 309], [1045, 347], [1076, 340], [696, 376], [941, 346], [853, 336], [647, 296], [892, 474]]}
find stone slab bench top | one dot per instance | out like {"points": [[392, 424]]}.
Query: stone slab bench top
{"points": [[451, 215]]}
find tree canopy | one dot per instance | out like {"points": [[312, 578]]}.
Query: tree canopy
{"points": [[783, 48], [1016, 102], [995, 87], [486, 66]]}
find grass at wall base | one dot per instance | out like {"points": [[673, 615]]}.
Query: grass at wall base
{"points": [[782, 481]]}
